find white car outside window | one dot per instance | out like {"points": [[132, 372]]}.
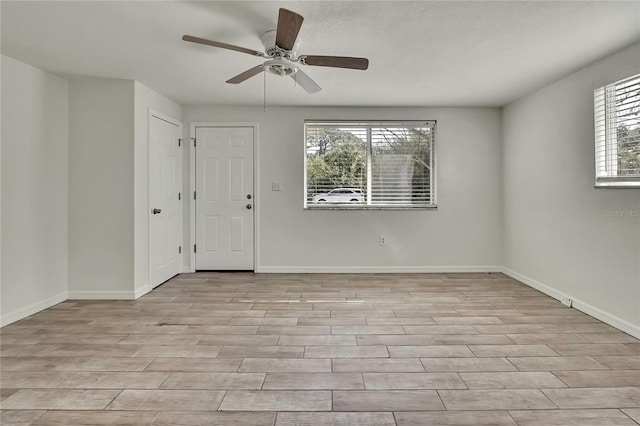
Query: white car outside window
{"points": [[340, 195]]}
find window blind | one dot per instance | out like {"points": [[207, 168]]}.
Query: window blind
{"points": [[369, 164], [617, 133]]}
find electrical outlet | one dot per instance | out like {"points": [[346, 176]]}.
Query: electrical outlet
{"points": [[275, 186], [383, 240], [566, 300]]}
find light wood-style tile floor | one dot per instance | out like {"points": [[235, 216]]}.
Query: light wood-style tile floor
{"points": [[245, 349]]}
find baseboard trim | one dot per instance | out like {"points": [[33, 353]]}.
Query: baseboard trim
{"points": [[102, 295], [374, 269], [607, 318], [34, 308]]}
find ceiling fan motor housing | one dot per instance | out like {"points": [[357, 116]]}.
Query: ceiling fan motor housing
{"points": [[280, 67]]}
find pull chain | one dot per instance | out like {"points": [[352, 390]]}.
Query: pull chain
{"points": [[264, 101]]}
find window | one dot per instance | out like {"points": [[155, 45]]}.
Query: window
{"points": [[369, 164], [617, 129]]}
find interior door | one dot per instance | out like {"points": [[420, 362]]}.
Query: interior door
{"points": [[224, 198], [165, 212]]}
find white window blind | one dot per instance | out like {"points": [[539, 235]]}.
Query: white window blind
{"points": [[369, 164], [617, 133]]}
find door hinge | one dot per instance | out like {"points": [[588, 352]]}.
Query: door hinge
{"points": [[194, 142], [179, 249], [179, 142], [179, 196], [194, 195], [194, 248]]}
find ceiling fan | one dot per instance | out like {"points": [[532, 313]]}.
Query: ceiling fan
{"points": [[280, 51]]}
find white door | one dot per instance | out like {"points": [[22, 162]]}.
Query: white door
{"points": [[165, 212], [224, 198]]}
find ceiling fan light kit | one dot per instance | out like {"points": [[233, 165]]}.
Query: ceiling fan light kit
{"points": [[280, 51]]}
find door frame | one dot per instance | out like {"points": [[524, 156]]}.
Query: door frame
{"points": [[153, 113], [192, 186]]}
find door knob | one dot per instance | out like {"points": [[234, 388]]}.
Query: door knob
{"points": [[156, 211], [249, 206]]}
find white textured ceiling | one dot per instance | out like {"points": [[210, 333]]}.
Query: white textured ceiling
{"points": [[422, 53]]}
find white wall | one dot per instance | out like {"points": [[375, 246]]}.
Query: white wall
{"points": [[34, 190], [101, 190], [559, 234], [465, 232], [145, 100]]}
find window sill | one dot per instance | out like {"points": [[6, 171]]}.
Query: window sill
{"points": [[365, 207], [632, 182]]}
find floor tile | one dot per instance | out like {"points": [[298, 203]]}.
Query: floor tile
{"points": [[237, 340], [593, 349], [546, 338], [332, 321], [452, 351], [222, 329], [276, 401], [440, 329], [511, 399], [345, 351], [624, 397], [160, 339], [511, 380], [27, 379], [212, 365], [394, 339], [467, 320], [367, 329], [511, 350], [196, 351], [556, 363], [631, 362], [413, 381], [262, 352], [378, 400], [313, 381], [19, 417], [571, 417], [401, 321], [220, 381], [455, 418], [478, 339], [316, 340], [114, 380], [68, 418], [378, 365], [306, 330], [600, 378], [214, 418], [284, 365], [166, 400], [467, 364], [335, 419], [58, 399]]}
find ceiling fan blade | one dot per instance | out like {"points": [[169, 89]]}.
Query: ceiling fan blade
{"points": [[289, 24], [199, 40], [337, 62], [246, 75], [306, 82]]}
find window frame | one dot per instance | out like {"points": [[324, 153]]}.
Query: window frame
{"points": [[432, 124], [605, 136]]}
